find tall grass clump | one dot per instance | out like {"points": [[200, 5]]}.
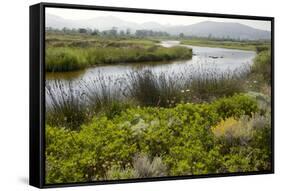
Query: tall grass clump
{"points": [[145, 167], [105, 96], [65, 59], [142, 167], [71, 104], [65, 106], [209, 86], [151, 89]]}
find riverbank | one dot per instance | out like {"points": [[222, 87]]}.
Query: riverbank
{"points": [[240, 45], [64, 53]]}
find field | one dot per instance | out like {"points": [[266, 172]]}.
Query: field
{"points": [[156, 125]]}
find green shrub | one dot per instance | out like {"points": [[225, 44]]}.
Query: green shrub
{"points": [[245, 143], [177, 141], [237, 106], [262, 66], [262, 48]]}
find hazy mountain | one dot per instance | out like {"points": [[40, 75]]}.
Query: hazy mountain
{"points": [[105, 23], [202, 29], [59, 22], [100, 23], [221, 29]]}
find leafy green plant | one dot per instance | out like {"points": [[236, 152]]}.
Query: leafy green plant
{"points": [[262, 66], [177, 141]]}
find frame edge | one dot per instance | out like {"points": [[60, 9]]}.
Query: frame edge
{"points": [[35, 168]]}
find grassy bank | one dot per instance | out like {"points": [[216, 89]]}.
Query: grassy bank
{"points": [[70, 109], [148, 141], [225, 44], [66, 54], [69, 59]]}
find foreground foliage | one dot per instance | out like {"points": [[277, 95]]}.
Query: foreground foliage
{"points": [[228, 135]]}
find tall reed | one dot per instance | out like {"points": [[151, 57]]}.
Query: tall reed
{"points": [[65, 105]]}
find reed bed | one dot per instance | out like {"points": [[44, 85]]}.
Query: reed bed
{"points": [[74, 103]]}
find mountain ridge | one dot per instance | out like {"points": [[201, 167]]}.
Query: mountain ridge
{"points": [[201, 29]]}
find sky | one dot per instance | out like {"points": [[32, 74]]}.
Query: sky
{"points": [[78, 14]]}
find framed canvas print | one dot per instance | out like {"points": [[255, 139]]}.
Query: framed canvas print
{"points": [[129, 95]]}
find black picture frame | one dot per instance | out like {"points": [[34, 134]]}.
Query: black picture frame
{"points": [[37, 92]]}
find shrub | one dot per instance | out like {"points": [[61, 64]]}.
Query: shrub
{"points": [[233, 130], [262, 48], [237, 106], [63, 160], [176, 141], [262, 66], [245, 144]]}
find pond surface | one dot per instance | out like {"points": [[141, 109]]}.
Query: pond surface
{"points": [[205, 60]]}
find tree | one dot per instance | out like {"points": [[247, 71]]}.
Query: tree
{"points": [[181, 35], [65, 29], [122, 33], [95, 32], [113, 31], [128, 32]]}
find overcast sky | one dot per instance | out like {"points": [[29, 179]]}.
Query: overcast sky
{"points": [[76, 14]]}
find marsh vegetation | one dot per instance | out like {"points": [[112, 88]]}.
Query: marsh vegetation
{"points": [[66, 54], [160, 115]]}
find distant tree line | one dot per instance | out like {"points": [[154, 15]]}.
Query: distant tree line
{"points": [[216, 38], [114, 32], [111, 32]]}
